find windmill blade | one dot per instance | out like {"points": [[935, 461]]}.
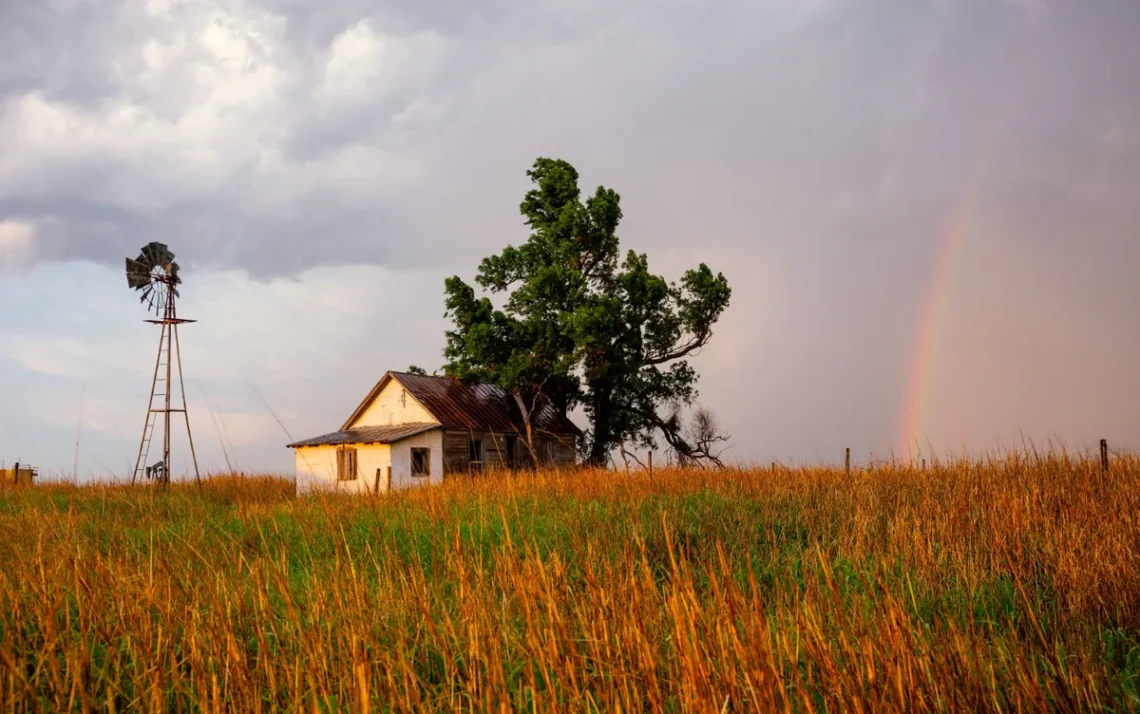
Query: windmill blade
{"points": [[150, 254], [150, 297], [157, 254], [137, 274], [163, 254]]}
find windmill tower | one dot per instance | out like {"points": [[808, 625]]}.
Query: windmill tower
{"points": [[154, 274]]}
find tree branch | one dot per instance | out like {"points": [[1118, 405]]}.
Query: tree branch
{"points": [[692, 445], [698, 341]]}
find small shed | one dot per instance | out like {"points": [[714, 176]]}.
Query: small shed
{"points": [[18, 475], [415, 429]]}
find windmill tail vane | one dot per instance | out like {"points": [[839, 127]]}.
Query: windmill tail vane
{"points": [[156, 276]]}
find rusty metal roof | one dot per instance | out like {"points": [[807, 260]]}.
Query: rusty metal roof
{"points": [[367, 435], [482, 407]]}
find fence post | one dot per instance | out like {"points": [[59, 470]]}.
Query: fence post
{"points": [[847, 461], [650, 464], [1104, 455]]}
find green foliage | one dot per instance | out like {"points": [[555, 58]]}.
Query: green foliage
{"points": [[582, 325]]}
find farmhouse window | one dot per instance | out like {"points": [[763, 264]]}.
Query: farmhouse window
{"points": [[346, 465], [475, 454], [421, 462]]}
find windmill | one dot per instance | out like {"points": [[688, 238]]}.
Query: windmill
{"points": [[154, 274]]}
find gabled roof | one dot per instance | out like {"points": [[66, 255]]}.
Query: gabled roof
{"points": [[367, 435], [470, 406]]}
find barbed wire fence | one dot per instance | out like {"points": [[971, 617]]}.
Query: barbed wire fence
{"points": [[1107, 451], [1118, 451], [1123, 451]]}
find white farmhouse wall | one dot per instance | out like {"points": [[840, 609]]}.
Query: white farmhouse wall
{"points": [[402, 460], [316, 468], [394, 405]]}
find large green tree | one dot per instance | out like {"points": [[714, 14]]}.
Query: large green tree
{"points": [[582, 325]]}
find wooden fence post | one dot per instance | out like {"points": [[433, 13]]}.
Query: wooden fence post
{"points": [[650, 464], [1104, 455], [847, 461]]}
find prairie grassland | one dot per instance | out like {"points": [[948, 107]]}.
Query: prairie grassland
{"points": [[1010, 585]]}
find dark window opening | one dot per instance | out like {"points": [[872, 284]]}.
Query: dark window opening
{"points": [[475, 455], [421, 462]]}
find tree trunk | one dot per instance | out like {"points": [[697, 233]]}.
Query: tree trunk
{"points": [[526, 414], [600, 449]]}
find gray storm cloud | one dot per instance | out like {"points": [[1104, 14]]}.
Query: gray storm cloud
{"points": [[814, 151]]}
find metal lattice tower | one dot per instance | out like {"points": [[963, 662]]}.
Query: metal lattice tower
{"points": [[155, 274]]}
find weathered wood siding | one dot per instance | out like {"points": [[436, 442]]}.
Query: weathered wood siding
{"points": [[554, 452]]}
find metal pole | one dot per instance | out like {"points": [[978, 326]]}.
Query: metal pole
{"points": [[168, 327], [185, 408]]}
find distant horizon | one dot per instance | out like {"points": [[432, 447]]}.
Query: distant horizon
{"points": [[858, 461]]}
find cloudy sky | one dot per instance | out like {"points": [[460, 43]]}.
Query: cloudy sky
{"points": [[929, 210]]}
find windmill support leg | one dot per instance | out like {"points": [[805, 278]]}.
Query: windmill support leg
{"points": [[144, 441], [185, 408]]}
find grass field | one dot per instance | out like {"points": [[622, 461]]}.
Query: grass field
{"points": [[1012, 585]]}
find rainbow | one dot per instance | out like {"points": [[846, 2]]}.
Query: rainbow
{"points": [[933, 315], [961, 221]]}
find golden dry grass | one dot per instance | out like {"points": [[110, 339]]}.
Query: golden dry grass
{"points": [[1010, 585]]}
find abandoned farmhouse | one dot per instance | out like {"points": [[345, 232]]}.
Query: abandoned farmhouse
{"points": [[414, 429]]}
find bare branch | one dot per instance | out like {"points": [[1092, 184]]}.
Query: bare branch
{"points": [[698, 442], [627, 455]]}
